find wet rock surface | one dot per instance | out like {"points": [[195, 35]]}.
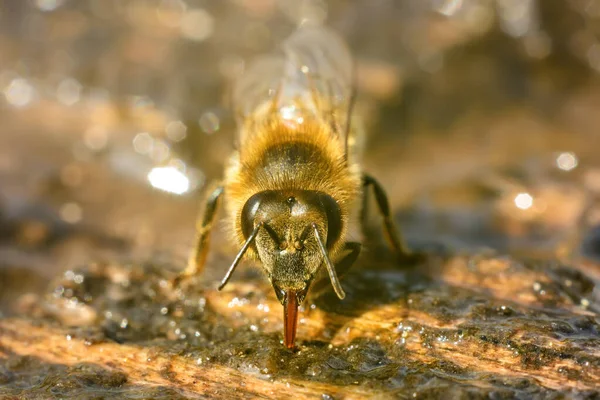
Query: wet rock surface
{"points": [[482, 327]]}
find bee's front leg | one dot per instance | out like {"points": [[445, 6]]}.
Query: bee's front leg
{"points": [[204, 226], [392, 234]]}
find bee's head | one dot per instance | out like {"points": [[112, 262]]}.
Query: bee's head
{"points": [[293, 233]]}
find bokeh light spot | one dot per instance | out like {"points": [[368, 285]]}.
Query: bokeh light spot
{"points": [[566, 161], [523, 201], [169, 179], [197, 25], [19, 92]]}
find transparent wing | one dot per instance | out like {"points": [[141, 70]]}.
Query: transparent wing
{"points": [[311, 77], [256, 87]]}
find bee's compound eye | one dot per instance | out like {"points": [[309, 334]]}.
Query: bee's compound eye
{"points": [[249, 211], [334, 218], [324, 202]]}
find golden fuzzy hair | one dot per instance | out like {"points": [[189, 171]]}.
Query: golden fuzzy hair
{"points": [[263, 164]]}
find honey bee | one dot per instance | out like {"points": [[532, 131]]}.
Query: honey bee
{"points": [[292, 184]]}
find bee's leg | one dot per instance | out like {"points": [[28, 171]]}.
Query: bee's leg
{"points": [[341, 267], [349, 259], [392, 234], [204, 226]]}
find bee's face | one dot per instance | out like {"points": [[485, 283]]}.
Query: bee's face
{"points": [[287, 245], [289, 252]]}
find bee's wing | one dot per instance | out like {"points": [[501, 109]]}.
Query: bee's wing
{"points": [[312, 77], [319, 70], [257, 85]]}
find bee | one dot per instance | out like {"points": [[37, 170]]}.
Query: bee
{"points": [[291, 186]]}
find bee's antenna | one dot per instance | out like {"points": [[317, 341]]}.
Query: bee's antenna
{"points": [[240, 255], [335, 282]]}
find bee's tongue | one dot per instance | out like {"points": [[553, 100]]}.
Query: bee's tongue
{"points": [[290, 318]]}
